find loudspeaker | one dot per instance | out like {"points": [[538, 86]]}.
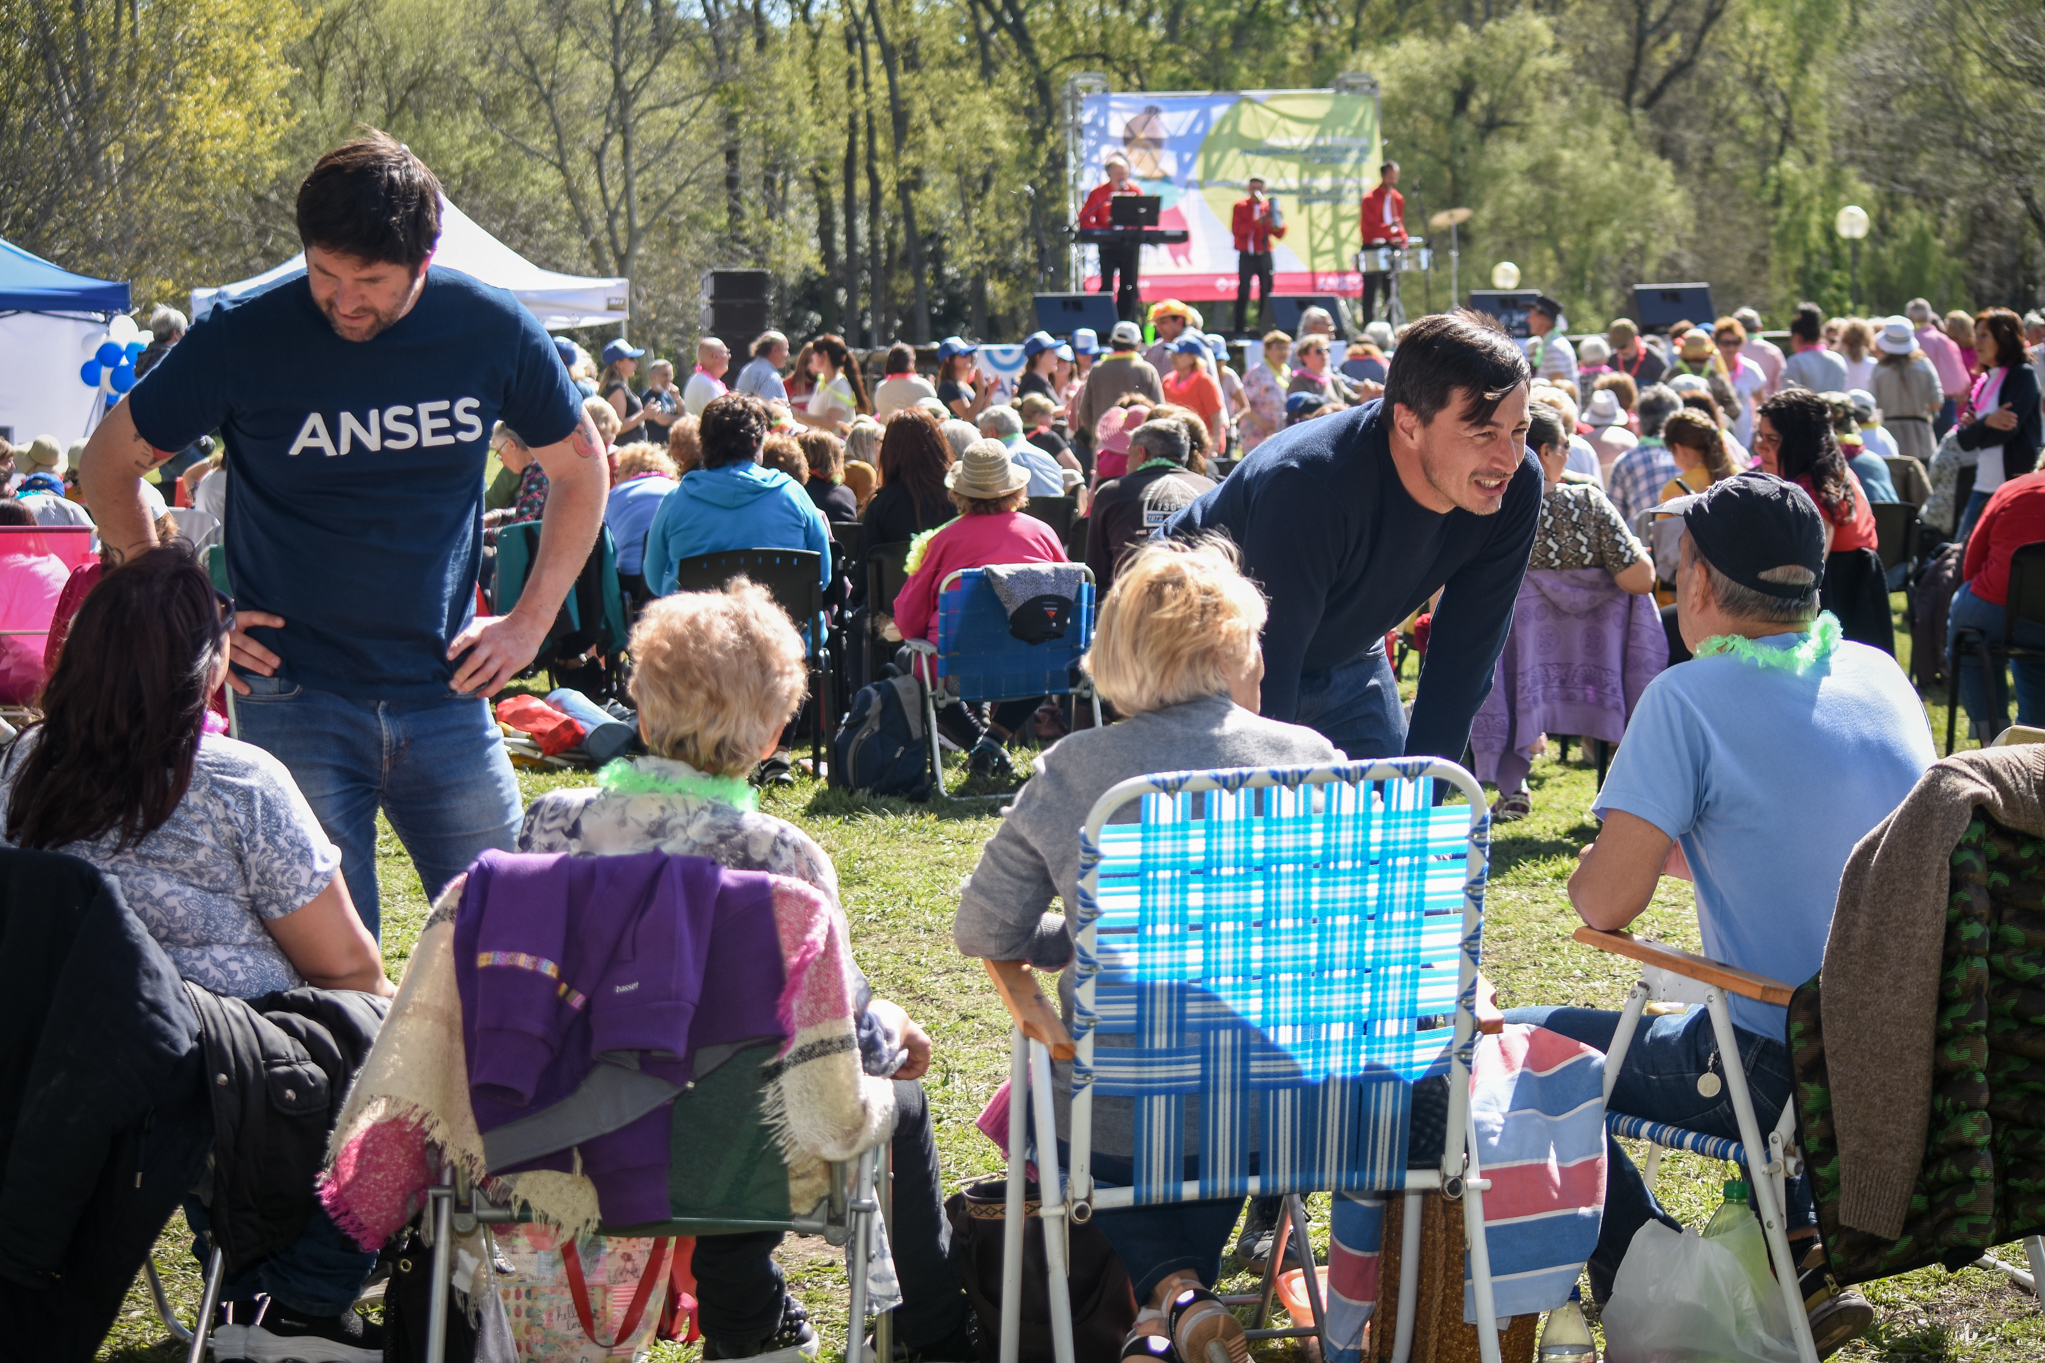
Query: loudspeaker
{"points": [[1509, 306], [735, 306], [1061, 314], [1286, 309], [1657, 307]]}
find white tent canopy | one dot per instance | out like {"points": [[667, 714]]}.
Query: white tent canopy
{"points": [[560, 301]]}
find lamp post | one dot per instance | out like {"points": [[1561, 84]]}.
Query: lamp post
{"points": [[1852, 224]]}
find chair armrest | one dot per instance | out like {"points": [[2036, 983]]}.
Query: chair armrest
{"points": [[921, 646], [1688, 964], [1490, 1020], [1032, 1013]]}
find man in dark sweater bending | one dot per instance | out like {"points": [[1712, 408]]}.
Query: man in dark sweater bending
{"points": [[1351, 522]]}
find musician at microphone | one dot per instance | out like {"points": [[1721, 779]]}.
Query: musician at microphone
{"points": [[1256, 222], [1383, 216], [1117, 261]]}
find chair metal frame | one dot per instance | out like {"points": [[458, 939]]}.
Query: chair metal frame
{"points": [[1669, 974], [931, 659], [1039, 1037], [2025, 601], [857, 1194], [712, 571]]}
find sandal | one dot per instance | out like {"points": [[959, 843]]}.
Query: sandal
{"points": [[1151, 1348], [1205, 1331], [1509, 808]]}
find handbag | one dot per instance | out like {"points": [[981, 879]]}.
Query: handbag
{"points": [[1103, 1300]]}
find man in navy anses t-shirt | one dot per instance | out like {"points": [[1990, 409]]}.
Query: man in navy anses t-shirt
{"points": [[356, 403]]}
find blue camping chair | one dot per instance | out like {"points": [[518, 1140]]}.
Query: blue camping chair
{"points": [[1294, 946], [976, 659]]}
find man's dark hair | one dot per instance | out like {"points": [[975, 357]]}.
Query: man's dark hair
{"points": [[732, 429], [1450, 353], [1389, 165], [371, 199], [16, 513], [1809, 322], [901, 359]]}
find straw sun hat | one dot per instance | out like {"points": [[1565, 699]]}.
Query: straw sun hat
{"points": [[985, 471]]}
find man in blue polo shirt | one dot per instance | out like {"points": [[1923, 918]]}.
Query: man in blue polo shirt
{"points": [[1751, 770], [356, 404]]}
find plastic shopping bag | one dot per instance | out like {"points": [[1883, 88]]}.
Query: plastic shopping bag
{"points": [[1685, 1299]]}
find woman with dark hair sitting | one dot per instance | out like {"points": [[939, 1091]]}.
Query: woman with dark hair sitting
{"points": [[1793, 436], [217, 853], [2002, 422]]}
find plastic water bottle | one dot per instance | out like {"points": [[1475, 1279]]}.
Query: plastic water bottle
{"points": [[1735, 1226], [1565, 1338]]}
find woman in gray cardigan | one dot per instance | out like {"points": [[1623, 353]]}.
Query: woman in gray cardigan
{"points": [[1176, 652]]}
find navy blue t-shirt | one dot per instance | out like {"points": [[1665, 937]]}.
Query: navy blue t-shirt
{"points": [[1344, 553], [355, 468]]}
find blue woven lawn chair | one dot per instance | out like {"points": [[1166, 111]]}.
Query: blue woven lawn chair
{"points": [[1672, 975], [976, 659], [1295, 947]]}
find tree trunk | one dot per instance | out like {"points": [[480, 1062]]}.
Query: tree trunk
{"points": [[851, 263], [906, 181]]}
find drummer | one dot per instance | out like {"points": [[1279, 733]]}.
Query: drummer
{"points": [[1383, 218], [1118, 260]]}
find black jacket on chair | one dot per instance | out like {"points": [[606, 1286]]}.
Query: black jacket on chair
{"points": [[103, 1127], [277, 1070]]}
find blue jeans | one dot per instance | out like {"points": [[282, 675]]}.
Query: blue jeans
{"points": [[1355, 705], [436, 768], [1986, 697], [1155, 1242], [1667, 1057], [316, 1275], [1977, 502], [1948, 413]]}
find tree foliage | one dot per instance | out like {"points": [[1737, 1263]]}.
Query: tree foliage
{"points": [[899, 165]]}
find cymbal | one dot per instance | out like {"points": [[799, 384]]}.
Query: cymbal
{"points": [[1450, 217]]}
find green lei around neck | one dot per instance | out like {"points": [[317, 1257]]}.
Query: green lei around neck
{"points": [[621, 776], [1821, 643]]}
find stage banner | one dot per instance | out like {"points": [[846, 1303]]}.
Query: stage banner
{"points": [[1317, 151]]}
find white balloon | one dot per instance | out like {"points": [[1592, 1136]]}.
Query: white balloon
{"points": [[1505, 275], [122, 330]]}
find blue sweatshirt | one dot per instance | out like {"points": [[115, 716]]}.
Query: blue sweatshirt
{"points": [[1345, 554], [739, 506]]}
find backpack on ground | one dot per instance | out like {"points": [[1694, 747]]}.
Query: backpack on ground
{"points": [[882, 748]]}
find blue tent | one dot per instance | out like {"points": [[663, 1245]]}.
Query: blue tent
{"points": [[31, 284]]}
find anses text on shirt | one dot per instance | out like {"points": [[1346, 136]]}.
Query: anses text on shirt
{"points": [[393, 428]]}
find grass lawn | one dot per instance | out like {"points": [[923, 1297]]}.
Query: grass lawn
{"points": [[900, 866]]}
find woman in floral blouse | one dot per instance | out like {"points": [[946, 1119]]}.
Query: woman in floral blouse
{"points": [[1264, 392]]}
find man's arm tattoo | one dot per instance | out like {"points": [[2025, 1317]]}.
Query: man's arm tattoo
{"points": [[583, 440], [147, 456]]}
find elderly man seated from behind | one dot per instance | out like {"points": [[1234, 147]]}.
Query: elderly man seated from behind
{"points": [[1129, 509], [1752, 771], [1004, 423]]}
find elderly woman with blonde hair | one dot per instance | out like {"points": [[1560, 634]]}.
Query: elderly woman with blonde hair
{"points": [[716, 676], [1176, 651]]}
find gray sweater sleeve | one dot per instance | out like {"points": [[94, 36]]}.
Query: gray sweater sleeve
{"points": [[1004, 906]]}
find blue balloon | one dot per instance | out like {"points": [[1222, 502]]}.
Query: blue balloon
{"points": [[136, 348], [108, 354], [89, 373], [123, 377]]}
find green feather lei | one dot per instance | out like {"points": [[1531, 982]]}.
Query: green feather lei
{"points": [[1821, 643], [666, 776]]}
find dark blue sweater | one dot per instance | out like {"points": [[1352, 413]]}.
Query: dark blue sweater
{"points": [[1344, 553]]}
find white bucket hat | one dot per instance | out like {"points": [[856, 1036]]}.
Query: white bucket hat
{"points": [[1897, 337], [986, 471]]}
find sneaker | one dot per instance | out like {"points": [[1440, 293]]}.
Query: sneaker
{"points": [[1837, 1314], [989, 758], [793, 1339], [775, 771], [1512, 808], [1260, 1229], [284, 1336], [960, 1346]]}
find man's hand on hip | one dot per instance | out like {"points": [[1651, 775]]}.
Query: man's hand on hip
{"points": [[248, 655], [498, 648]]}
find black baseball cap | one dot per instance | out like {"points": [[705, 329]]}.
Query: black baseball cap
{"points": [[1544, 303], [1752, 522]]}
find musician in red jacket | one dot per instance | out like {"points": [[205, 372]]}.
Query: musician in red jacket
{"points": [[1256, 223], [1115, 260], [1383, 218]]}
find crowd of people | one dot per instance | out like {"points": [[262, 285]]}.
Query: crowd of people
{"points": [[1263, 542]]}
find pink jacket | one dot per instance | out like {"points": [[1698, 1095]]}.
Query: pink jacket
{"points": [[969, 542]]}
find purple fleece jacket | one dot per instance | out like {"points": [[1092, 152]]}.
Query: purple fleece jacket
{"points": [[653, 964]]}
